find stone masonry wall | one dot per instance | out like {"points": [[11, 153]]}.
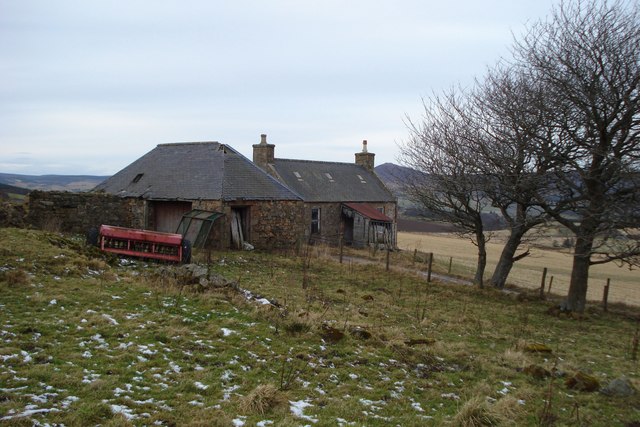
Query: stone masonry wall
{"points": [[79, 212], [272, 224], [276, 224]]}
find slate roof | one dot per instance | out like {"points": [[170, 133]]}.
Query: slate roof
{"points": [[195, 171], [331, 181]]}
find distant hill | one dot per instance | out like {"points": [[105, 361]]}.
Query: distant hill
{"points": [[394, 177], [12, 194], [75, 183]]}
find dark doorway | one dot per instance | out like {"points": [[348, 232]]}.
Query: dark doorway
{"points": [[348, 229], [240, 226]]}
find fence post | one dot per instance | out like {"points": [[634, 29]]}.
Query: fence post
{"points": [[550, 283], [341, 247], [388, 252], [605, 297], [543, 282], [415, 255], [429, 268], [450, 262]]}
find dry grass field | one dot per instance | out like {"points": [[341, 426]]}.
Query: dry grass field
{"points": [[625, 283]]}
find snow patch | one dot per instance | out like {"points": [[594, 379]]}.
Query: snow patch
{"points": [[297, 409]]}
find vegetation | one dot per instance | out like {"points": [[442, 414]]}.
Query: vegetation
{"points": [[289, 340], [551, 134]]}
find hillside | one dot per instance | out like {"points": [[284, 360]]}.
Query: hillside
{"points": [[52, 182], [263, 339], [11, 193]]}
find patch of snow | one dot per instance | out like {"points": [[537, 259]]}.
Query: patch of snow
{"points": [[239, 422], [226, 332], [227, 392], [27, 357], [110, 319], [201, 386], [29, 410], [264, 423], [121, 409], [227, 375], [297, 409], [68, 401], [53, 302], [372, 404], [451, 396], [87, 355]]}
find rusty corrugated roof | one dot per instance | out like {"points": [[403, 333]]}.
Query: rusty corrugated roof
{"points": [[368, 211]]}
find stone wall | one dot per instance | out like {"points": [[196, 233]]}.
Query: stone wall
{"points": [[271, 224], [277, 224], [79, 212]]}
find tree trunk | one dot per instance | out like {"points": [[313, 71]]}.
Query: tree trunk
{"points": [[503, 268], [482, 260], [577, 295]]}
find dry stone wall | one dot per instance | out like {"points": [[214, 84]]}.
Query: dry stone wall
{"points": [[79, 212]]}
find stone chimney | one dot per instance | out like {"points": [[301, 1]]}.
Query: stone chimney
{"points": [[365, 159], [263, 153]]}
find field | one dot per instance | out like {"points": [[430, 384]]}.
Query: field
{"points": [[292, 339], [527, 273]]}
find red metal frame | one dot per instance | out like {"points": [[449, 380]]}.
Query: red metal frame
{"points": [[141, 243]]}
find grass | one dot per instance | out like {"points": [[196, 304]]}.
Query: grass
{"points": [[88, 339], [526, 273]]}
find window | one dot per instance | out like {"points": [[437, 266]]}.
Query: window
{"points": [[315, 220], [137, 178]]}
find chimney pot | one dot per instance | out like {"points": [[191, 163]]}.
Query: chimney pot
{"points": [[263, 138], [364, 146]]}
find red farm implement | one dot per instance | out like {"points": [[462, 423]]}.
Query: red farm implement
{"points": [[144, 244]]}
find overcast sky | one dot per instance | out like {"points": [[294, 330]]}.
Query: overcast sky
{"points": [[87, 87]]}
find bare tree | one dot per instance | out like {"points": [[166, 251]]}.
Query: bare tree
{"points": [[506, 108], [449, 185], [587, 55]]}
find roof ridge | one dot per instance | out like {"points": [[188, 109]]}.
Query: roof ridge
{"points": [[316, 161], [189, 143]]}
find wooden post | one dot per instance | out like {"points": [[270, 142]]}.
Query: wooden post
{"points": [[450, 262], [605, 297], [429, 268], [415, 255], [543, 282], [388, 252], [341, 248], [550, 283]]}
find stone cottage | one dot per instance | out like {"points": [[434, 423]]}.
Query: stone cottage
{"points": [[173, 179], [268, 202], [341, 200]]}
